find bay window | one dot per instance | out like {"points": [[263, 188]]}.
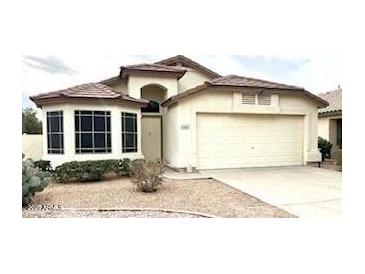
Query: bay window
{"points": [[92, 132]]}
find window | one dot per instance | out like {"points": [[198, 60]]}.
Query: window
{"points": [[55, 132], [152, 106], [92, 132], [264, 99], [248, 99], [129, 132]]}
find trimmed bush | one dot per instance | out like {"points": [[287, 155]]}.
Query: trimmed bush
{"points": [[33, 180], [91, 171], [324, 147], [43, 165], [147, 175]]}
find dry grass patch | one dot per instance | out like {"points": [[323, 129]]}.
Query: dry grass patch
{"points": [[205, 196]]}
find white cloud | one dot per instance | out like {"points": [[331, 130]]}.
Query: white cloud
{"points": [[321, 73]]}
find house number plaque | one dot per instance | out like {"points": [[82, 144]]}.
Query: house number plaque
{"points": [[185, 126]]}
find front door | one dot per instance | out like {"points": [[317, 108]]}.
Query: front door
{"points": [[151, 137]]}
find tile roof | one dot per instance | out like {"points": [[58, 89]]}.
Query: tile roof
{"points": [[110, 80], [175, 71], [234, 80], [154, 67], [184, 61], [90, 90], [334, 98]]}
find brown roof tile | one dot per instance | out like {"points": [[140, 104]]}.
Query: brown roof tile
{"points": [[234, 80], [184, 61], [90, 90], [154, 67], [245, 82], [177, 72], [334, 98]]}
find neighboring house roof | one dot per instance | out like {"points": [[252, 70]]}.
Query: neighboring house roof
{"points": [[180, 60], [178, 72], [235, 81], [90, 90], [334, 98]]}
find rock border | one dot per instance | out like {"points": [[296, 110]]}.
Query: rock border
{"points": [[204, 215]]}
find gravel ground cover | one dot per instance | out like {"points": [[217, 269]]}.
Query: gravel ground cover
{"points": [[204, 196], [105, 214]]}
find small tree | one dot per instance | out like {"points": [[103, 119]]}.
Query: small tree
{"points": [[30, 123]]}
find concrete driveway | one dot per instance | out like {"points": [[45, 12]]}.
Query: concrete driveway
{"points": [[303, 191]]}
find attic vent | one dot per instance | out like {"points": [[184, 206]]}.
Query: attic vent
{"points": [[248, 99], [264, 99]]}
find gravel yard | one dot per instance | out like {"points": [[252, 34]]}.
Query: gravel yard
{"points": [[208, 197]]}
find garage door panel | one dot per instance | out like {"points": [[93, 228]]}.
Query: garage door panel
{"points": [[231, 141]]}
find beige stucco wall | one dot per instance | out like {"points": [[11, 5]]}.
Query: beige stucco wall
{"points": [[170, 136], [323, 127], [191, 78], [136, 82], [223, 101], [132, 85], [121, 86], [69, 130], [32, 146]]}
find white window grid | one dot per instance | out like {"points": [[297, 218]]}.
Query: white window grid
{"points": [[78, 147], [50, 148], [125, 148]]}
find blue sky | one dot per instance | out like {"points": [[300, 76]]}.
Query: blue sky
{"points": [[47, 73]]}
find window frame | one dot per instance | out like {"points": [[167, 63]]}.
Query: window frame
{"points": [[79, 148], [50, 133], [134, 133]]}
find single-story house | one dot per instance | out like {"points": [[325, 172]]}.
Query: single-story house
{"points": [[330, 119], [185, 113]]}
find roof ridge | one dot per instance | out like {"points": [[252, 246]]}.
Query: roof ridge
{"points": [[182, 59], [149, 64]]}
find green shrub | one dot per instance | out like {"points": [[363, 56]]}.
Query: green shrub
{"points": [[91, 171], [33, 180], [43, 165], [147, 175], [324, 147]]}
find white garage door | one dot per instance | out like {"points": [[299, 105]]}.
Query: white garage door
{"points": [[232, 141]]}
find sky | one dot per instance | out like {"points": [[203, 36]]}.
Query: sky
{"points": [[49, 73]]}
